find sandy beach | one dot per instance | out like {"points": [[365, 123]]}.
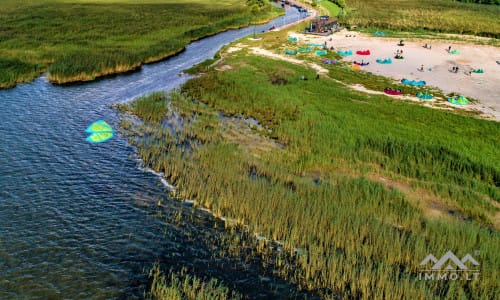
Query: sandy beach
{"points": [[437, 62]]}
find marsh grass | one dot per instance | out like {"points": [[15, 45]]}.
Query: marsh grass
{"points": [[425, 15], [183, 286], [82, 40], [350, 236], [14, 71]]}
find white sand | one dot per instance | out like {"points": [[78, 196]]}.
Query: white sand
{"points": [[483, 87]]}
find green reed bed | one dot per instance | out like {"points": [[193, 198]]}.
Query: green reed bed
{"points": [[81, 40], [350, 236], [186, 287], [429, 15]]}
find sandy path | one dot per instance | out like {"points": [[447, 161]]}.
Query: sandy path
{"points": [[483, 87], [267, 53]]}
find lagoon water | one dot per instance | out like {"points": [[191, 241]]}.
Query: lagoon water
{"points": [[79, 220]]}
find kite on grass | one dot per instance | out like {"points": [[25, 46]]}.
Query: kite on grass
{"points": [[100, 131]]}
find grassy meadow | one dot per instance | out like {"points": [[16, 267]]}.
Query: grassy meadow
{"points": [[425, 15], [358, 188], [81, 40]]}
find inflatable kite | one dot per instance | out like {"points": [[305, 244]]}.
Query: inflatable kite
{"points": [[460, 100], [454, 51], [321, 53], [292, 39], [344, 53], [384, 61], [290, 52], [413, 82], [390, 91], [363, 52], [329, 62], [100, 131], [316, 45], [302, 50], [379, 33], [479, 71], [425, 96]]}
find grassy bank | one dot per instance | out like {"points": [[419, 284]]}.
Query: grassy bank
{"points": [[82, 40], [426, 15], [359, 188]]}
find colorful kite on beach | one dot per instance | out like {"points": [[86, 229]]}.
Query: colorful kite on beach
{"points": [[100, 131]]}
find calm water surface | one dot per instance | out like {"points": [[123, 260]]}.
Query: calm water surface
{"points": [[76, 219]]}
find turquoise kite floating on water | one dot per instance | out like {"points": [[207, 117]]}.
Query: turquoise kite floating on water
{"points": [[100, 131]]}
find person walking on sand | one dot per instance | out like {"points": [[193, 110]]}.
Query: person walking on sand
{"points": [[449, 49], [422, 68]]}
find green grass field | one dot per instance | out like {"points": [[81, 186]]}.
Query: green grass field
{"points": [[425, 15], [364, 186], [81, 40]]}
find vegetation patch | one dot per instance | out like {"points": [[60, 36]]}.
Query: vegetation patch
{"points": [[318, 195], [186, 287], [425, 15], [82, 40]]}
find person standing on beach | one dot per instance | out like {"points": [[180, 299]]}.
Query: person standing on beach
{"points": [[449, 49]]}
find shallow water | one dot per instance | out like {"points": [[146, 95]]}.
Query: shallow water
{"points": [[79, 220]]}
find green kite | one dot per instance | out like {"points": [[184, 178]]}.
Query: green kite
{"points": [[100, 131]]}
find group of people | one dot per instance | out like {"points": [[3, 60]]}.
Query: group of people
{"points": [[399, 54]]}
